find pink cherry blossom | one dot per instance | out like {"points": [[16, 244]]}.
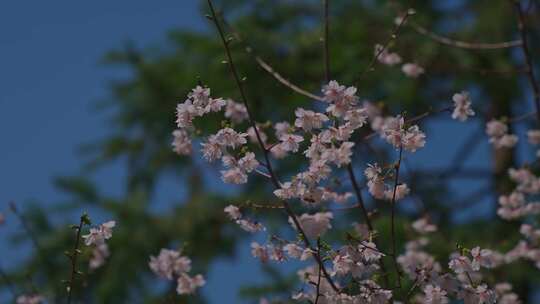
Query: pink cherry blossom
{"points": [[233, 212], [188, 285], [309, 120], [98, 235], [30, 299], [435, 295], [386, 57], [316, 224], [228, 137], [236, 112], [412, 70], [181, 142], [290, 142], [423, 226], [462, 106]]}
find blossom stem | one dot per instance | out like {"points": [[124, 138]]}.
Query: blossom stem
{"points": [[273, 176], [318, 289], [464, 44], [268, 68], [392, 37], [73, 258], [393, 216]]}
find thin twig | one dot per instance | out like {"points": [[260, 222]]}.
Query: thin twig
{"points": [[74, 255], [385, 46], [463, 44], [527, 54], [267, 67], [273, 176], [393, 213], [318, 289]]}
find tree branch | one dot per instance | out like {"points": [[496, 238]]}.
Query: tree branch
{"points": [[265, 151], [527, 54]]}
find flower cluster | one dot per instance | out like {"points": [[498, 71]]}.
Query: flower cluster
{"points": [[379, 188], [197, 104], [170, 265], [326, 139], [412, 70], [248, 225], [30, 299], [515, 205], [385, 57], [498, 134], [462, 106], [97, 238], [394, 131]]}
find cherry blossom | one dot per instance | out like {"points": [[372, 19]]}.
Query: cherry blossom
{"points": [[30, 299], [99, 255], [497, 132], [98, 235], [182, 142], [236, 112], [211, 149], [233, 212], [290, 142], [170, 264], [462, 106], [316, 224], [395, 134], [435, 295], [412, 70], [259, 251], [309, 120], [386, 57], [294, 251], [188, 285], [253, 135], [423, 226], [228, 137], [340, 98]]}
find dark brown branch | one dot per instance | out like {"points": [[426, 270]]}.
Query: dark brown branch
{"points": [[463, 44], [265, 151], [527, 54]]}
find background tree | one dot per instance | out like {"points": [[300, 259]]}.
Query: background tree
{"points": [[286, 35]]}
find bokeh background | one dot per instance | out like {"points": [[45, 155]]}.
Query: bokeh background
{"points": [[88, 92]]}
